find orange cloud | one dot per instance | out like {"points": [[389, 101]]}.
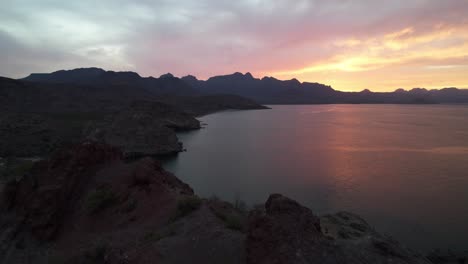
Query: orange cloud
{"points": [[442, 48]]}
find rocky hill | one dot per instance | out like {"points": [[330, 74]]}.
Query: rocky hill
{"points": [[86, 204], [38, 117]]}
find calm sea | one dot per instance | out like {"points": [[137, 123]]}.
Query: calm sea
{"points": [[404, 168]]}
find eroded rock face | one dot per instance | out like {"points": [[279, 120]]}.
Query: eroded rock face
{"points": [[146, 128]]}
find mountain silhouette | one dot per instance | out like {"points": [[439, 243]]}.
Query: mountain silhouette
{"points": [[267, 90], [165, 85]]}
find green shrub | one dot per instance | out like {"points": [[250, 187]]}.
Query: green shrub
{"points": [[14, 168], [231, 214], [233, 222], [22, 168], [100, 199], [152, 236], [156, 236], [185, 206]]}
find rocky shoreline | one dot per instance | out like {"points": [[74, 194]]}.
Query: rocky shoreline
{"points": [[87, 204], [38, 118]]}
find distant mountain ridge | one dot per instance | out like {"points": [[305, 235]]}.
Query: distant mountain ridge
{"points": [[267, 90], [167, 84]]}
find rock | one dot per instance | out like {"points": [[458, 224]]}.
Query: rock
{"points": [[286, 232], [358, 240]]}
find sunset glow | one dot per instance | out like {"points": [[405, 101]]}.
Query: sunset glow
{"points": [[404, 58], [350, 45]]}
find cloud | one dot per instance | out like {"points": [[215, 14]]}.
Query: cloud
{"points": [[405, 46], [208, 37]]}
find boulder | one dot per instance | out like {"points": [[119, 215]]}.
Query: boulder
{"points": [[286, 232]]}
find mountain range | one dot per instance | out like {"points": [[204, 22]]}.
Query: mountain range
{"points": [[267, 90]]}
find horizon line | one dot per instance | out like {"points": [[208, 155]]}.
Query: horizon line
{"points": [[244, 74]]}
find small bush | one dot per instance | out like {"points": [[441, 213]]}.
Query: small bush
{"points": [[156, 236], [185, 206], [231, 214], [152, 237], [14, 168], [23, 168], [100, 199], [233, 222]]}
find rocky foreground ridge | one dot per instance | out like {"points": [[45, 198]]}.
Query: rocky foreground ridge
{"points": [[86, 204]]}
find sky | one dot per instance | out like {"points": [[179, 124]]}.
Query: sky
{"points": [[349, 44]]}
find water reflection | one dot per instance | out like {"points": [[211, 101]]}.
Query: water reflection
{"points": [[404, 168]]}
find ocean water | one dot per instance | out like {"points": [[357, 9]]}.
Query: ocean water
{"points": [[403, 168]]}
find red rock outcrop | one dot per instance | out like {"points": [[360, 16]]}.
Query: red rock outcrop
{"points": [[59, 191]]}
